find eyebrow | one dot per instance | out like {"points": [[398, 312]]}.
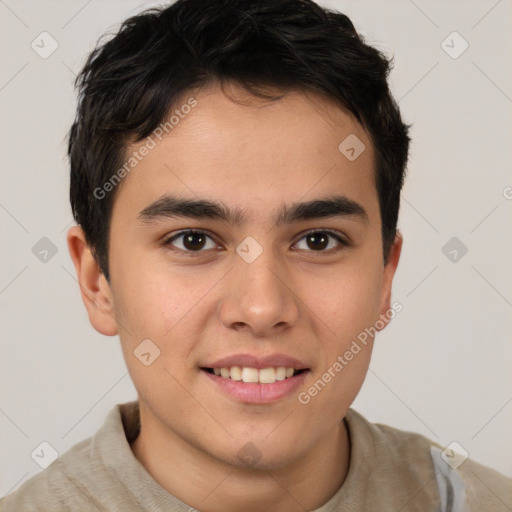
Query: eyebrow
{"points": [[169, 206]]}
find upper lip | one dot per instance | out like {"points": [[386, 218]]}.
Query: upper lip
{"points": [[259, 362]]}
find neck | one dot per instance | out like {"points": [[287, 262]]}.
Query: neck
{"points": [[210, 485]]}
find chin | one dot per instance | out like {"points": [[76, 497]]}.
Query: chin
{"points": [[258, 455]]}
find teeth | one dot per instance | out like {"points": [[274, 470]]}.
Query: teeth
{"points": [[280, 373], [248, 374], [267, 375], [235, 373]]}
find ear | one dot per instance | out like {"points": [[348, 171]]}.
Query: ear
{"points": [[387, 281], [95, 290]]}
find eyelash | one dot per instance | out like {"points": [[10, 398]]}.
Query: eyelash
{"points": [[167, 242]]}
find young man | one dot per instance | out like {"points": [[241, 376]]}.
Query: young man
{"points": [[236, 169]]}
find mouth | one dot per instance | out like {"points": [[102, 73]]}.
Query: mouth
{"points": [[250, 375], [256, 379], [251, 380]]}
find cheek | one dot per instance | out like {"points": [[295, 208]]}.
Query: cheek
{"points": [[154, 346], [151, 297], [145, 307], [348, 307], [165, 307], [346, 300]]}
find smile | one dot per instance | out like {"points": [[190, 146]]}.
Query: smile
{"points": [[248, 374]]}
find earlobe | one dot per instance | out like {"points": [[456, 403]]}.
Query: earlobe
{"points": [[95, 290], [387, 281]]}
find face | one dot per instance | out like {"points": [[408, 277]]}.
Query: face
{"points": [[260, 286]]}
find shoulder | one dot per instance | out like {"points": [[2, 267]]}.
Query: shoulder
{"points": [[462, 483], [85, 477], [486, 488], [55, 488]]}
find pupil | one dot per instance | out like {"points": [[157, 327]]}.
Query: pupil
{"points": [[319, 239], [189, 241]]}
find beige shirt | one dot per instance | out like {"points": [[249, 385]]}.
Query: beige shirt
{"points": [[390, 470]]}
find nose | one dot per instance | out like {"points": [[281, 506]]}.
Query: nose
{"points": [[259, 297]]}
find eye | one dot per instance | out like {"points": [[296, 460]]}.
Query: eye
{"points": [[192, 241], [318, 241]]}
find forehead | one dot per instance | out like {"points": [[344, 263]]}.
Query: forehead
{"points": [[231, 121], [230, 144]]}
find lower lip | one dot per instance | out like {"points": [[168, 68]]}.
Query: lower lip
{"points": [[255, 393]]}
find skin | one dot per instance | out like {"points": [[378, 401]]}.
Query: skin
{"points": [[306, 303]]}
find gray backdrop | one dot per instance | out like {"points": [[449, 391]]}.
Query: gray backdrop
{"points": [[442, 368]]}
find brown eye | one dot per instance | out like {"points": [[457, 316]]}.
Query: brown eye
{"points": [[318, 241], [194, 241], [191, 241]]}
